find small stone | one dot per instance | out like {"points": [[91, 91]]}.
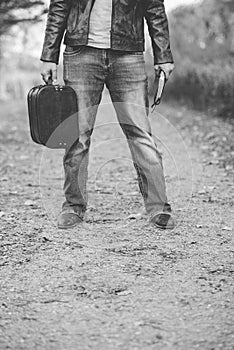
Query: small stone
{"points": [[229, 167], [134, 216], [29, 203], [4, 178], [202, 192], [227, 228], [125, 292]]}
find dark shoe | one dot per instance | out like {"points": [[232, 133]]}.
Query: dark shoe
{"points": [[163, 221], [68, 220]]}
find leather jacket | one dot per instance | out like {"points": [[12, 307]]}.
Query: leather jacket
{"points": [[127, 27]]}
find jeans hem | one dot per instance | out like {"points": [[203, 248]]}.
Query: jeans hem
{"points": [[73, 210]]}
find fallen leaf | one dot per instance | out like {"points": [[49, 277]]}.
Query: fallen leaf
{"points": [[214, 162], [46, 239], [227, 228], [211, 200], [229, 167], [125, 292], [202, 192], [134, 216], [13, 193], [29, 203], [211, 188], [4, 178]]}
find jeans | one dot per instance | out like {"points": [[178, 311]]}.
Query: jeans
{"points": [[87, 70]]}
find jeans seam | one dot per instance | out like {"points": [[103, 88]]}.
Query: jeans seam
{"points": [[140, 179]]}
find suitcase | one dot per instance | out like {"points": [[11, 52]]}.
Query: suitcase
{"points": [[53, 115]]}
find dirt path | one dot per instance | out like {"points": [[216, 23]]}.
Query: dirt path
{"points": [[116, 282]]}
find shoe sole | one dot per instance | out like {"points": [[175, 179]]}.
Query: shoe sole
{"points": [[164, 228], [67, 227]]}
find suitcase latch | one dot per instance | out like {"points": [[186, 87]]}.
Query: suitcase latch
{"points": [[58, 87]]}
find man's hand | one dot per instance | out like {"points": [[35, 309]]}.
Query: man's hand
{"points": [[166, 67], [49, 71]]}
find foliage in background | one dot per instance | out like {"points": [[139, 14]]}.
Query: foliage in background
{"points": [[20, 38], [202, 43], [15, 11], [203, 46]]}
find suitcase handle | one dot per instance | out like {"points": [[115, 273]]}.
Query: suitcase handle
{"points": [[50, 81]]}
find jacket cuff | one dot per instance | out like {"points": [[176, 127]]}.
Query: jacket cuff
{"points": [[165, 57], [50, 57]]}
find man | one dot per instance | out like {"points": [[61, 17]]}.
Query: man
{"points": [[104, 46]]}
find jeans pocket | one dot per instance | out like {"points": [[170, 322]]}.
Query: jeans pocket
{"points": [[73, 50]]}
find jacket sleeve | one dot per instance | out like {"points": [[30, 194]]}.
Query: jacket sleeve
{"points": [[55, 27], [157, 22]]}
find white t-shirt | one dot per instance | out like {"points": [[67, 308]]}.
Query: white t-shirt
{"points": [[100, 24]]}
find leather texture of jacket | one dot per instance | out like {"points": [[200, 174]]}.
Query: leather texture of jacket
{"points": [[127, 27]]}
